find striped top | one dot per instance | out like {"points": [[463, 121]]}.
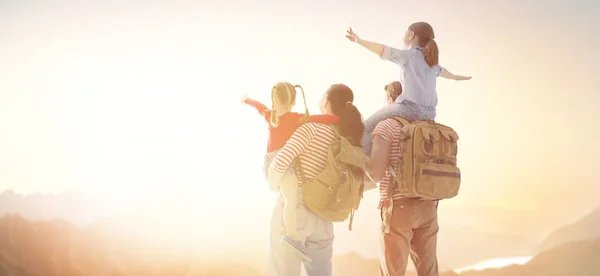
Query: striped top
{"points": [[311, 143], [391, 131]]}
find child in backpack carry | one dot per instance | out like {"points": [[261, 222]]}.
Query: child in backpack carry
{"points": [[420, 68], [282, 124]]}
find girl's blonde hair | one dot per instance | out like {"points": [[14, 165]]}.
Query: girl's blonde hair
{"points": [[283, 97]]}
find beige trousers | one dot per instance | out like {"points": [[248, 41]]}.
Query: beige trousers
{"points": [[413, 231]]}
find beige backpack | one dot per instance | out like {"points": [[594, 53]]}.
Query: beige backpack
{"points": [[427, 169], [336, 192]]}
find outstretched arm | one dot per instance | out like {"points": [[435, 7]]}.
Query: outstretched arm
{"points": [[261, 108], [446, 74], [385, 52], [371, 46]]}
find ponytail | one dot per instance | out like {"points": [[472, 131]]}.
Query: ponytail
{"points": [[283, 95], [431, 53], [306, 115], [340, 96], [274, 106], [274, 118], [351, 125], [424, 32]]}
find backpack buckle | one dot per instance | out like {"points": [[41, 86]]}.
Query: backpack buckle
{"points": [[344, 176]]}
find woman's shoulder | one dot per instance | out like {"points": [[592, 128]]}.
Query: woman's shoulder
{"points": [[325, 130], [318, 128]]}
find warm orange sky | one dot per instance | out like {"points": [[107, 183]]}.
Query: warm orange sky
{"points": [[141, 100]]}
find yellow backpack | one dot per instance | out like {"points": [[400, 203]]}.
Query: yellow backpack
{"points": [[336, 192], [428, 168]]}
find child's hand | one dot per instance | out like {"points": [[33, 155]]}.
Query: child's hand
{"points": [[351, 35], [462, 78]]}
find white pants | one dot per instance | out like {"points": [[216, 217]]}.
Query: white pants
{"points": [[316, 234]]}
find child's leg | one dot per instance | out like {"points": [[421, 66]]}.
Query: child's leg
{"points": [[415, 112], [289, 191], [269, 157], [391, 110]]}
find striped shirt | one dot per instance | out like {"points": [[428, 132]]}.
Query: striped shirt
{"points": [[391, 131], [311, 143]]}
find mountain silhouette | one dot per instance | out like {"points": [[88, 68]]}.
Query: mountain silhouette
{"points": [[53, 248], [585, 228], [76, 207], [50, 248], [57, 248], [94, 212], [574, 258]]}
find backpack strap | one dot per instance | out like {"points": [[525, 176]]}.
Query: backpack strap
{"points": [[390, 191], [298, 164], [401, 120], [336, 130], [298, 167]]}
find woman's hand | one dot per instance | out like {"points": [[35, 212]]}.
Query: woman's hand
{"points": [[462, 78]]}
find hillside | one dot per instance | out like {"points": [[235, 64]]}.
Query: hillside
{"points": [[585, 228], [40, 206], [50, 248], [571, 259], [56, 248], [574, 258], [178, 221]]}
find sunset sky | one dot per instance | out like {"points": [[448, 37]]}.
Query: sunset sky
{"points": [[140, 99]]}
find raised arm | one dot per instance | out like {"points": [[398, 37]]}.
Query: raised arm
{"points": [[261, 108], [447, 75], [385, 52], [371, 46]]}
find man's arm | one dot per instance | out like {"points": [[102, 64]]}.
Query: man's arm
{"points": [[448, 75], [380, 158]]}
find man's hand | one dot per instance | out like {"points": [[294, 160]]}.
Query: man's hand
{"points": [[369, 184]]}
